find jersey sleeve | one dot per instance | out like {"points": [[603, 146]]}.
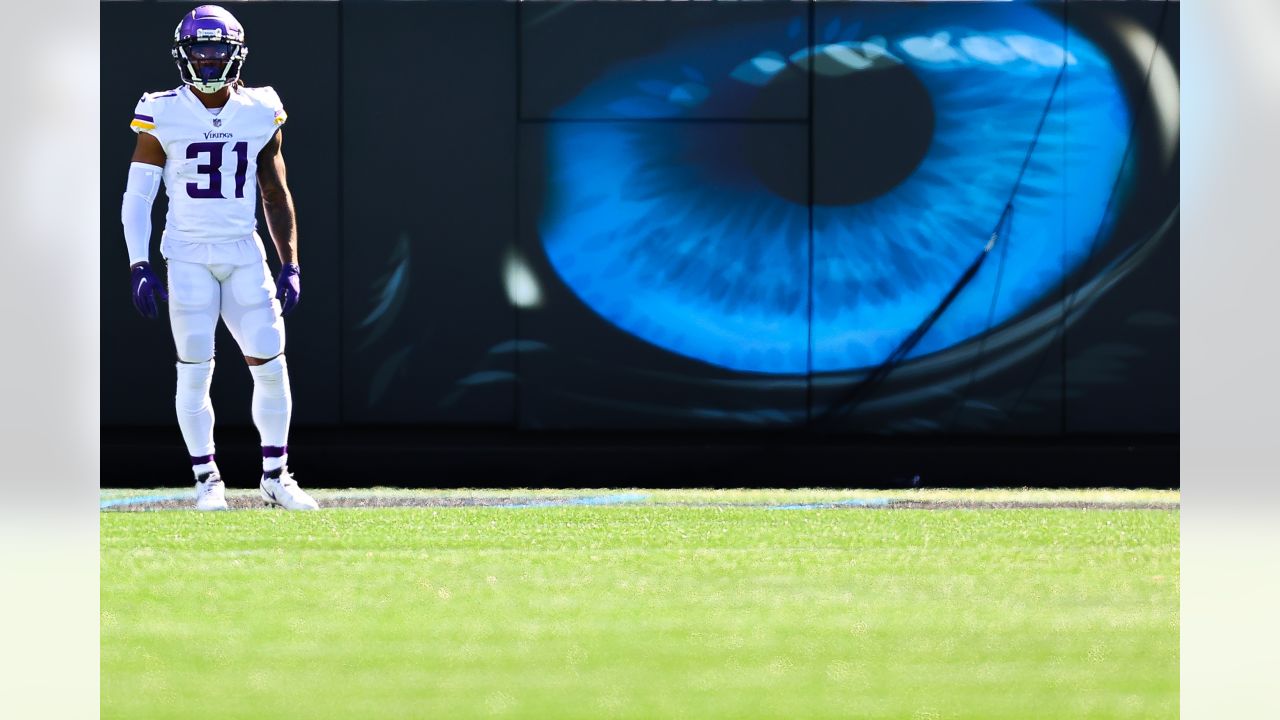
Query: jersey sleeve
{"points": [[149, 115], [272, 100], [144, 116]]}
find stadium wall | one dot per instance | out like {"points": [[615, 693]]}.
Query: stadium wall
{"points": [[600, 243]]}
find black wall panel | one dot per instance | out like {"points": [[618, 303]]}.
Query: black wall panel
{"points": [[1121, 347], [428, 111]]}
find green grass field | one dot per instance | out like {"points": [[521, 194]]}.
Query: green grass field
{"points": [[696, 604]]}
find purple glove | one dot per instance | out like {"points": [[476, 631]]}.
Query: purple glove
{"points": [[288, 287], [145, 289]]}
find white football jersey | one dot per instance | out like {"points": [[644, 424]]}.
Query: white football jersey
{"points": [[210, 173]]}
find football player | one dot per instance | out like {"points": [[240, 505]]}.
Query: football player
{"points": [[208, 140]]}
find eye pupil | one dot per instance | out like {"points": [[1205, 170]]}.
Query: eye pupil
{"points": [[871, 128]]}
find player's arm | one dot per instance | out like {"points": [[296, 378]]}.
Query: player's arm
{"points": [[277, 206], [149, 151], [145, 175]]}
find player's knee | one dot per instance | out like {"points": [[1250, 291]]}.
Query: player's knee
{"points": [[260, 333], [254, 361], [270, 377], [195, 348], [262, 349], [267, 342]]}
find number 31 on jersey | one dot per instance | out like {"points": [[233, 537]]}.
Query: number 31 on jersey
{"points": [[213, 168]]}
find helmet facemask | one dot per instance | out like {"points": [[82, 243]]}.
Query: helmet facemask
{"points": [[210, 66]]}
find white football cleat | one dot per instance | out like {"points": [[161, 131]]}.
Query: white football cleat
{"points": [[279, 488], [211, 493]]}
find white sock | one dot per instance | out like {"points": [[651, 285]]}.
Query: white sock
{"points": [[274, 463], [203, 468], [195, 411], [272, 405]]}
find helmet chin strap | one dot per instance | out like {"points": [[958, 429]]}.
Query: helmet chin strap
{"points": [[210, 87]]}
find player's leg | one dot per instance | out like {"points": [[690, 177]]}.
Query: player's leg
{"points": [[194, 300], [252, 314]]}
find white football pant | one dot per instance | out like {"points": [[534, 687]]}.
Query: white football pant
{"points": [[243, 296]]}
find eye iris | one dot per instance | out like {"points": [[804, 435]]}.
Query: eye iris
{"points": [[699, 239], [871, 130]]}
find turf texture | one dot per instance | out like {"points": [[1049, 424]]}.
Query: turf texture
{"points": [[693, 605]]}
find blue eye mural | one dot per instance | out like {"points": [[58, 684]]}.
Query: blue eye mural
{"points": [[678, 204]]}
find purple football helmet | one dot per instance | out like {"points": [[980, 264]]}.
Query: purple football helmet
{"points": [[208, 46]]}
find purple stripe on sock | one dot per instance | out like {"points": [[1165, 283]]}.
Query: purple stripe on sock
{"points": [[269, 451], [201, 460]]}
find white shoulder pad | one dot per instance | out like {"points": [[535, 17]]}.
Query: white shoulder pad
{"points": [[149, 109], [267, 97]]}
